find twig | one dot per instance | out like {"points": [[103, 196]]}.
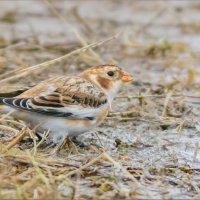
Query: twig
{"points": [[86, 165], [152, 20], [102, 146], [80, 38], [6, 115], [10, 72], [166, 103], [38, 170], [134, 119], [21, 135], [153, 96], [140, 96], [13, 45], [120, 167], [105, 156], [84, 43], [125, 113], [43, 65], [180, 126], [44, 136], [81, 19], [196, 149], [34, 143], [42, 162], [126, 172]]}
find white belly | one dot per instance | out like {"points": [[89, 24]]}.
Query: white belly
{"points": [[58, 126]]}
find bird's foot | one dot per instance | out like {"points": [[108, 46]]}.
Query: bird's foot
{"points": [[59, 146], [78, 142], [82, 144]]}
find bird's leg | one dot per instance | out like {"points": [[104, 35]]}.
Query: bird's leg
{"points": [[59, 146], [29, 139], [78, 142], [38, 136], [101, 144], [82, 144]]}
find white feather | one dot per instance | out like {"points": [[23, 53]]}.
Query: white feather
{"points": [[51, 88], [81, 112]]}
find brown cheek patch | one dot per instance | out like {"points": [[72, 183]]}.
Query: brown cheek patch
{"points": [[104, 82]]}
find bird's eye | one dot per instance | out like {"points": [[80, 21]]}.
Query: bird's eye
{"points": [[110, 73]]}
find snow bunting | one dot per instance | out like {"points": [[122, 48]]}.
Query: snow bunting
{"points": [[67, 105]]}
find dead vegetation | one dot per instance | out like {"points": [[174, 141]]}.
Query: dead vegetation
{"points": [[149, 145]]}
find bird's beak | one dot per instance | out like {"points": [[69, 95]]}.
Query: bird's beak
{"points": [[126, 77]]}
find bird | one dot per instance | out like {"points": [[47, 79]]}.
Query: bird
{"points": [[67, 105]]}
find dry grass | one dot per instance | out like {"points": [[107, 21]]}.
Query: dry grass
{"points": [[149, 142]]}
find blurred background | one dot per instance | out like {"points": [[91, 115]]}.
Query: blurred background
{"points": [[36, 31]]}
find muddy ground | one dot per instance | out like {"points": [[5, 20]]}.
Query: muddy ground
{"points": [[149, 142]]}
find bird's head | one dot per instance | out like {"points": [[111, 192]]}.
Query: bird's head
{"points": [[108, 77]]}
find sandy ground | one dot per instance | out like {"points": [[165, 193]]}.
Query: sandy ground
{"points": [[150, 139]]}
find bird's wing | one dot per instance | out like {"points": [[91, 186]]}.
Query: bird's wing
{"points": [[61, 97]]}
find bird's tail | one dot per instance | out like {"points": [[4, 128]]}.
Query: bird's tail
{"points": [[2, 105], [1, 100], [3, 109]]}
